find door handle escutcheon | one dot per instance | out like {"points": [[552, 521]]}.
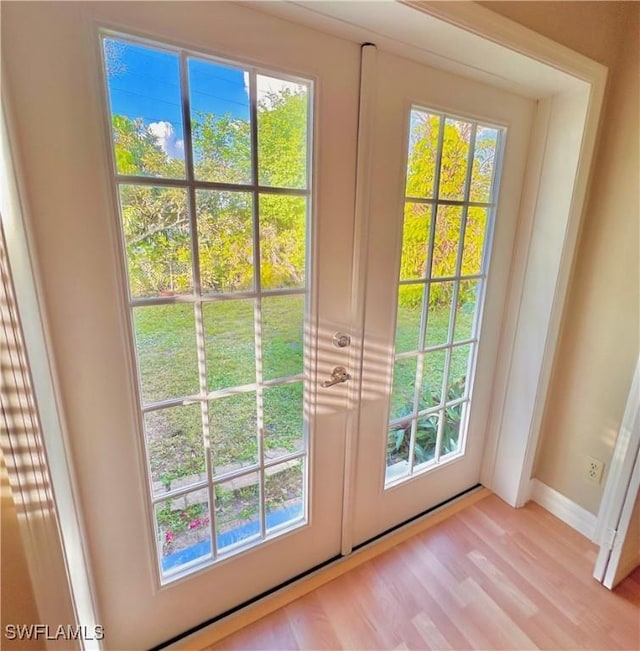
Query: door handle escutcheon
{"points": [[338, 375], [340, 340]]}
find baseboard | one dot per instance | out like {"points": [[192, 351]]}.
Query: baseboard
{"points": [[563, 508]]}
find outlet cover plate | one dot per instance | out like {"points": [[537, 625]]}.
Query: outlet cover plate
{"points": [[593, 469]]}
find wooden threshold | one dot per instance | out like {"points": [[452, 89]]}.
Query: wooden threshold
{"points": [[289, 593]]}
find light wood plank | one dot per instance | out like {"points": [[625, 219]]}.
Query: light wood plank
{"points": [[430, 633], [271, 603], [489, 577]]}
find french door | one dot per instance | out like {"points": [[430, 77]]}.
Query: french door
{"points": [[205, 183], [208, 186], [448, 157]]}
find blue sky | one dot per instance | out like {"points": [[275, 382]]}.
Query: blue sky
{"points": [[145, 83]]}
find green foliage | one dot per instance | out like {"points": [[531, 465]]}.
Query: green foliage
{"points": [[399, 440], [136, 148], [415, 238], [282, 240], [417, 216], [155, 222], [156, 219], [225, 240], [177, 519], [422, 155], [282, 138], [222, 148]]}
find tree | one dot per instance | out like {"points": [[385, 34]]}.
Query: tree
{"points": [[222, 148], [282, 138], [156, 220], [421, 180]]}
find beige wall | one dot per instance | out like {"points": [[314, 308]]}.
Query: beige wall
{"points": [[17, 603], [599, 343]]}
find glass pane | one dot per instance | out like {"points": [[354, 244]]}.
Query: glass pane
{"points": [[466, 309], [447, 237], [284, 493], [282, 336], [409, 317], [176, 450], [283, 419], [219, 103], [283, 233], [474, 235], [166, 347], [460, 358], [454, 418], [146, 109], [398, 441], [404, 382], [455, 154], [230, 343], [440, 297], [484, 161], [237, 510], [283, 108], [233, 432], [225, 240], [415, 240], [183, 530], [426, 438], [423, 148], [432, 379], [155, 224]]}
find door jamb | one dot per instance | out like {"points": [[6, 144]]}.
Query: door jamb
{"points": [[366, 123], [617, 487], [37, 458]]}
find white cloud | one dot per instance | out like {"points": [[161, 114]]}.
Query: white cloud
{"points": [[268, 87], [165, 136]]}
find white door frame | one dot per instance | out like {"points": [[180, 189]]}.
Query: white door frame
{"points": [[570, 89], [37, 457], [620, 490]]}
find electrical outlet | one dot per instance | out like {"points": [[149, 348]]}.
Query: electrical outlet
{"points": [[593, 469]]}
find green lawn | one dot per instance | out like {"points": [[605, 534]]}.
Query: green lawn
{"points": [[168, 366]]}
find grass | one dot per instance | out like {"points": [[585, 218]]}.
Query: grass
{"points": [[166, 346], [167, 359]]}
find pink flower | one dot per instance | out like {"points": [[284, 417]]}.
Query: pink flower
{"points": [[195, 523], [168, 537]]}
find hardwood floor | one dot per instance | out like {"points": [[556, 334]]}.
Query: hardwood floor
{"points": [[489, 577]]}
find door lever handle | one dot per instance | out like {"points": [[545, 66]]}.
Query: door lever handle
{"points": [[338, 375]]}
